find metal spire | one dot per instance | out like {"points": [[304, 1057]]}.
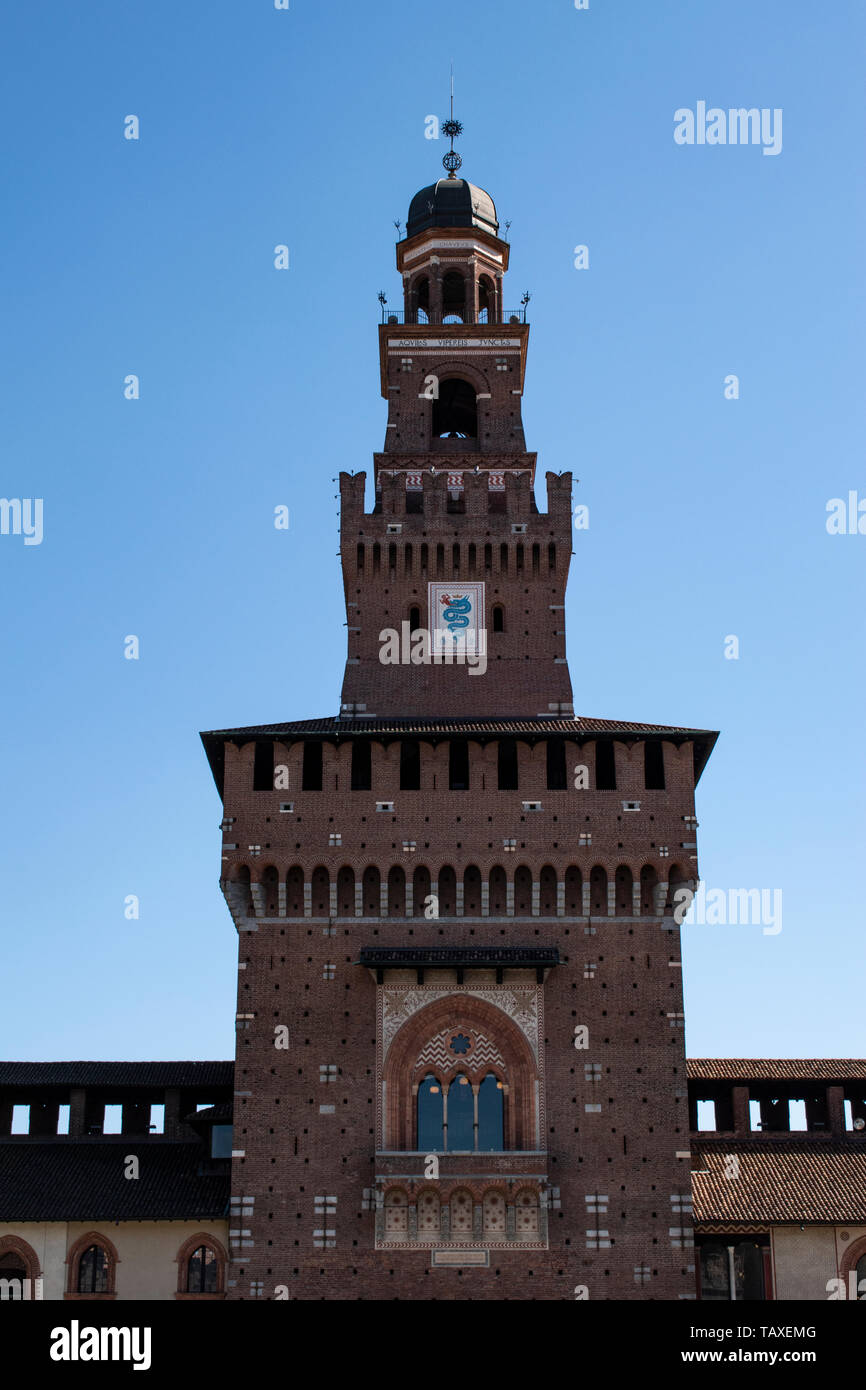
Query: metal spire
{"points": [[452, 129]]}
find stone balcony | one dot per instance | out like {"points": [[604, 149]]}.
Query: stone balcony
{"points": [[462, 1203]]}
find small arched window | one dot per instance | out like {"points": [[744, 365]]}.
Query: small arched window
{"points": [[13, 1272], [455, 410], [486, 300], [202, 1271], [93, 1270], [430, 1116], [498, 618], [453, 297], [461, 1116], [422, 290], [414, 619], [490, 1113]]}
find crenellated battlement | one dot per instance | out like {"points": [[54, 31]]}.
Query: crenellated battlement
{"points": [[412, 498]]}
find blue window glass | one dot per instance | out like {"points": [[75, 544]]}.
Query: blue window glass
{"points": [[430, 1115], [490, 1129], [461, 1116], [221, 1141]]}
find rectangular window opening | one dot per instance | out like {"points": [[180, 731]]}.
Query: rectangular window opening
{"points": [[507, 759], [654, 767], [20, 1119], [458, 765], [410, 765], [263, 767], [112, 1124], [557, 776], [706, 1115], [605, 766], [311, 778], [361, 766]]}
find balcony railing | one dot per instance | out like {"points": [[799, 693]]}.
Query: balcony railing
{"points": [[411, 316]]}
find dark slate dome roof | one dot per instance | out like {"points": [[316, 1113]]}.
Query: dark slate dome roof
{"points": [[455, 203]]}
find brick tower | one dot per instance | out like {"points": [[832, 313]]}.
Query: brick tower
{"points": [[460, 1047]]}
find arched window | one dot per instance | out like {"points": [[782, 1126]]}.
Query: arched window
{"points": [[486, 300], [598, 891], [447, 891], [523, 892], [498, 891], [242, 890], [623, 881], [202, 1271], [320, 892], [422, 300], [92, 1271], [453, 297], [420, 890], [573, 891], [13, 1272], [455, 412], [460, 1080], [414, 619], [648, 880], [201, 1268], [472, 891], [346, 892], [547, 891], [430, 1116], [498, 614], [490, 1115], [461, 1116]]}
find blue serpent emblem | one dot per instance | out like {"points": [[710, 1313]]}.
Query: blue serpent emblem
{"points": [[455, 613]]}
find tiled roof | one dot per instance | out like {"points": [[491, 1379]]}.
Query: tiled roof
{"points": [[83, 1180], [578, 727], [197, 1074], [778, 1182], [360, 724], [776, 1069], [221, 1114]]}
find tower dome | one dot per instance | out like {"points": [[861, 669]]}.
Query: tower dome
{"points": [[451, 202]]}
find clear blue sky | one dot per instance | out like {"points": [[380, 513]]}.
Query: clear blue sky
{"points": [[155, 257]]}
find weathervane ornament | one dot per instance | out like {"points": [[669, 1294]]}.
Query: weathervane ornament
{"points": [[452, 160]]}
